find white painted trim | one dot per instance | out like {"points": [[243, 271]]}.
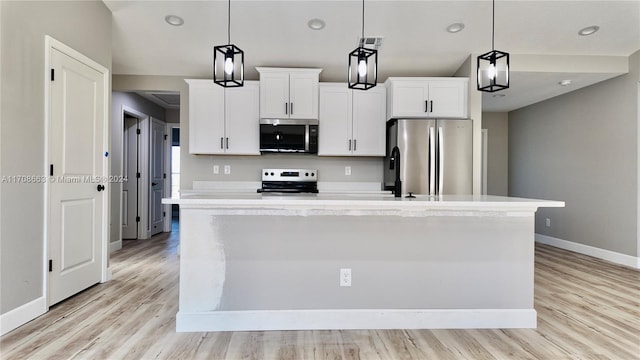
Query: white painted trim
{"points": [[168, 181], [260, 320], [144, 230], [608, 255], [22, 314], [485, 151], [638, 175], [115, 246]]}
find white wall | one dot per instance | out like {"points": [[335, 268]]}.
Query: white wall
{"points": [[139, 104], [497, 125], [582, 148], [86, 27]]}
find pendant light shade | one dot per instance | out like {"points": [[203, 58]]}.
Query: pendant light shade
{"points": [[363, 68], [493, 71], [493, 66], [228, 61], [363, 64]]}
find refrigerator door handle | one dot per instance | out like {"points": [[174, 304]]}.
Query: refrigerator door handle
{"points": [[440, 160], [432, 162]]}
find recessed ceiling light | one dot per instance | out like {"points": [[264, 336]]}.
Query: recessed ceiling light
{"points": [[456, 27], [589, 30], [174, 20], [565, 82], [316, 24], [498, 95]]}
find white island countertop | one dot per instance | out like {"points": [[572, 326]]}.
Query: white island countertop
{"points": [[372, 201]]}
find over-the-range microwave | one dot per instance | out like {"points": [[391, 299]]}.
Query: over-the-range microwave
{"points": [[288, 136]]}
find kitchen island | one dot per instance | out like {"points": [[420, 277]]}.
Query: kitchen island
{"points": [[265, 262]]}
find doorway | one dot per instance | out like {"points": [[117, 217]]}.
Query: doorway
{"points": [[130, 169]]}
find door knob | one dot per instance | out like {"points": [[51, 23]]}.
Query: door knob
{"points": [[100, 187]]}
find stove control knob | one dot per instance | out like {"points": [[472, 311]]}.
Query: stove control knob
{"points": [[306, 174], [266, 174], [313, 174], [272, 174]]}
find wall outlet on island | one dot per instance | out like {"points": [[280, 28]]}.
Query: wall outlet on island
{"points": [[347, 170], [216, 169], [345, 277], [227, 169], [547, 222]]}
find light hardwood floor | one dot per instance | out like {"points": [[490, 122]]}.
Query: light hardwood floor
{"points": [[587, 309]]}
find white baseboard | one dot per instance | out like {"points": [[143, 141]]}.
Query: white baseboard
{"points": [[614, 257], [115, 246], [22, 315], [259, 320]]}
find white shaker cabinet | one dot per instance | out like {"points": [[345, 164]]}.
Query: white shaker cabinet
{"points": [[288, 93], [421, 97], [352, 122], [223, 120]]}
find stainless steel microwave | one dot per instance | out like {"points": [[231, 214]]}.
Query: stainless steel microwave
{"points": [[288, 135]]}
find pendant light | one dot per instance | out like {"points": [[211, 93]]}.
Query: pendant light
{"points": [[228, 60], [493, 67], [363, 64]]}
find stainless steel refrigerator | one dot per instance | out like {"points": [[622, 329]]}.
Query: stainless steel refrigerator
{"points": [[435, 156]]}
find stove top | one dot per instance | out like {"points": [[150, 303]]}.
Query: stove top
{"points": [[289, 181]]}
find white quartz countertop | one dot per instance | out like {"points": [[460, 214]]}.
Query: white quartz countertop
{"points": [[356, 201]]}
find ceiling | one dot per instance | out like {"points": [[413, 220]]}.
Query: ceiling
{"points": [[541, 36]]}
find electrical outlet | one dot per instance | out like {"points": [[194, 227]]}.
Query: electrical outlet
{"points": [[547, 222], [347, 170], [227, 169], [345, 277], [216, 169]]}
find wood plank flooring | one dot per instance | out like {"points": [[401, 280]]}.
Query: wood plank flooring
{"points": [[587, 309]]}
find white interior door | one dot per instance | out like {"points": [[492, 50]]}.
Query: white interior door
{"points": [[130, 187], [156, 190], [78, 190]]}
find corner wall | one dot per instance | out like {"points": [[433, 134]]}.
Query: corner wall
{"points": [[582, 148], [86, 27]]}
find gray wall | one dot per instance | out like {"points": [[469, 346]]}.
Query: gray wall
{"points": [[582, 148], [86, 27], [497, 125], [244, 168], [140, 104]]}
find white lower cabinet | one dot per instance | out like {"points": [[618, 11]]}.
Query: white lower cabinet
{"points": [[352, 122], [224, 120]]}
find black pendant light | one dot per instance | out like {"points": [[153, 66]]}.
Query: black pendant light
{"points": [[363, 64], [228, 61], [493, 67]]}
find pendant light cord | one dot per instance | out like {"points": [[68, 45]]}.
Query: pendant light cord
{"points": [[229, 22], [493, 26], [362, 22]]}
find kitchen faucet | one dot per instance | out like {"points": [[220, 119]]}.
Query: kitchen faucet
{"points": [[395, 158]]}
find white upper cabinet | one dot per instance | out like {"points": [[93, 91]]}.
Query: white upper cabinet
{"points": [[223, 120], [352, 122], [421, 97], [288, 93]]}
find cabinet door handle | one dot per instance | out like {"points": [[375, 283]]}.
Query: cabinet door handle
{"points": [[221, 143], [431, 103], [426, 106], [227, 143], [286, 108], [355, 144], [349, 144], [291, 108]]}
